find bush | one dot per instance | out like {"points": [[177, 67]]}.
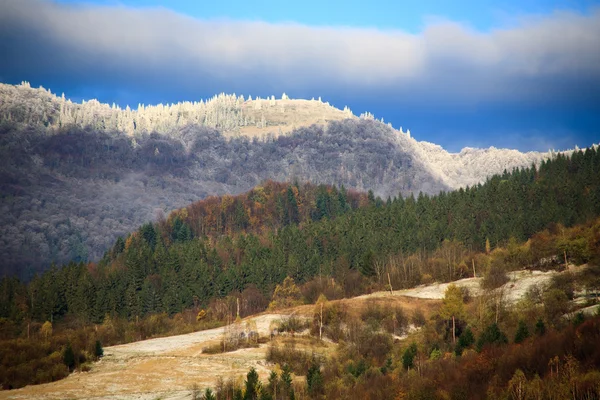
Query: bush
{"points": [[496, 276], [391, 319], [418, 318], [85, 367], [299, 361], [374, 345], [556, 304], [292, 323]]}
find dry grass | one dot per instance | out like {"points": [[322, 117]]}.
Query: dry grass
{"points": [[168, 367]]}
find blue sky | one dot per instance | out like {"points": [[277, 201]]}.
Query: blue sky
{"points": [[518, 74], [383, 14]]}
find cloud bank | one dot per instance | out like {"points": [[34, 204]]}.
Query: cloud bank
{"points": [[552, 60]]}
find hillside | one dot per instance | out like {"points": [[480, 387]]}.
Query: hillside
{"points": [[171, 367], [74, 176], [281, 245]]}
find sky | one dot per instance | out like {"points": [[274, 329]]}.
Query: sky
{"points": [[516, 74]]}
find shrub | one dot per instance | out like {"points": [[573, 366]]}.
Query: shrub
{"points": [[299, 361], [418, 318], [292, 323], [286, 295], [496, 276]]}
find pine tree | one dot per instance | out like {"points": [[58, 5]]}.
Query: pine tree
{"points": [[540, 327], [522, 332], [314, 378], [252, 385], [209, 395], [69, 357], [409, 355], [98, 350]]}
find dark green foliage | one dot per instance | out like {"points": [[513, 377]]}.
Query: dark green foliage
{"points": [[149, 234], [540, 327], [358, 368], [522, 332], [387, 367], [273, 384], [119, 246], [579, 318], [465, 340], [286, 376], [286, 381], [252, 385], [69, 357], [181, 231], [314, 379], [409, 355], [265, 395], [492, 335], [367, 264], [98, 350], [209, 395]]}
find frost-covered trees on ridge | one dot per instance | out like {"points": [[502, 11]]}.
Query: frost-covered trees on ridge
{"points": [[39, 107]]}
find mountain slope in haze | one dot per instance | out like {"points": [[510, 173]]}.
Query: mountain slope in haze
{"points": [[73, 177]]}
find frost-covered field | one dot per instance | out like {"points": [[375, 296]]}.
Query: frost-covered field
{"points": [[513, 290], [165, 368]]}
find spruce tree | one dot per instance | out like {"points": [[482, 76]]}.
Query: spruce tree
{"points": [[540, 327], [98, 350], [522, 332], [69, 357], [252, 385]]}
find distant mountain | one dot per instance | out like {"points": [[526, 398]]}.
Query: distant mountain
{"points": [[73, 176]]}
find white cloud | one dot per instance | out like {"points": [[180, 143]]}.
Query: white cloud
{"points": [[535, 58]]}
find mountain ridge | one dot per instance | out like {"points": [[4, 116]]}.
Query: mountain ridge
{"points": [[71, 182]]}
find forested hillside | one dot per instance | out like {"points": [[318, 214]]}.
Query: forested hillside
{"points": [[222, 245], [74, 176], [247, 250]]}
